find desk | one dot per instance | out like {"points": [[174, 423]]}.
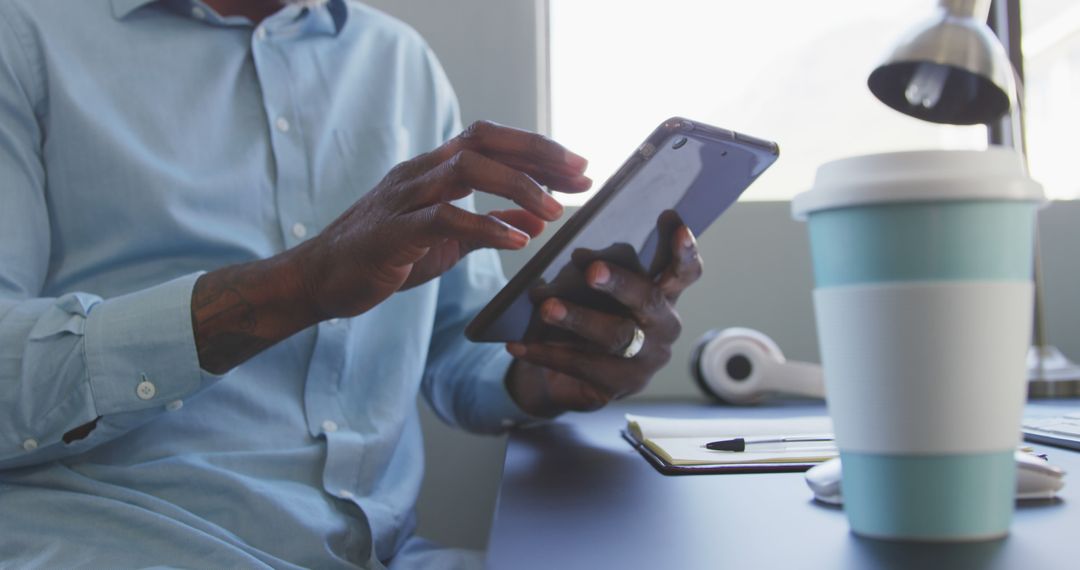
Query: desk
{"points": [[574, 495]]}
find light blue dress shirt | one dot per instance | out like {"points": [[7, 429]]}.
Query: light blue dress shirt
{"points": [[144, 142]]}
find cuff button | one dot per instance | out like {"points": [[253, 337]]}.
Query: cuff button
{"points": [[145, 390]]}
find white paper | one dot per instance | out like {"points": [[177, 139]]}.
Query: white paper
{"points": [[653, 427], [682, 441]]}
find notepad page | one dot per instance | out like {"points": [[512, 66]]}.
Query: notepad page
{"points": [[650, 427], [682, 441], [692, 451]]}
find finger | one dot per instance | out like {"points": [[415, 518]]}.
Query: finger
{"points": [[550, 178], [666, 225], [579, 396], [440, 222], [488, 137], [646, 302], [686, 266], [521, 220], [469, 169], [611, 376], [541, 173], [536, 155], [565, 392], [611, 334]]}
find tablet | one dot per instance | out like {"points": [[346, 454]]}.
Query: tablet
{"points": [[685, 173]]}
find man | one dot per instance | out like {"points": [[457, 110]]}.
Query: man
{"points": [[219, 296]]}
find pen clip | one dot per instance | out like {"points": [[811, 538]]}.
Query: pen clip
{"points": [[740, 443]]}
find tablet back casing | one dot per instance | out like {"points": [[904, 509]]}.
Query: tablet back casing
{"points": [[685, 172]]}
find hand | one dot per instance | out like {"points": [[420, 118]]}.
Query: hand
{"points": [[402, 233], [406, 232], [548, 379]]}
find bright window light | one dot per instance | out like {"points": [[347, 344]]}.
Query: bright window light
{"points": [[793, 71], [1051, 46]]}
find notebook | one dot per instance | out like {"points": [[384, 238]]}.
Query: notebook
{"points": [[677, 446]]}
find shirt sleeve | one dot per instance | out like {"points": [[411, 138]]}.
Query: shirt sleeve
{"points": [[71, 360], [464, 381]]}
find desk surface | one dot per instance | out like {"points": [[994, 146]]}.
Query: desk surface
{"points": [[574, 494]]}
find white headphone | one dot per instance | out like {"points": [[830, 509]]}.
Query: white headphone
{"points": [[743, 366]]}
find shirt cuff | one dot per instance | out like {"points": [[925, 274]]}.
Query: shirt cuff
{"points": [[493, 397], [140, 348]]}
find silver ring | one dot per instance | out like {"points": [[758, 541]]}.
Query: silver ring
{"points": [[635, 345]]}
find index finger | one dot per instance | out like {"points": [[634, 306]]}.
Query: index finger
{"points": [[492, 138], [686, 265]]}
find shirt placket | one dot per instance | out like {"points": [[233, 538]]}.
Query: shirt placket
{"points": [[292, 192], [296, 213]]}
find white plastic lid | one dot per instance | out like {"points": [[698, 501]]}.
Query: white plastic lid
{"points": [[997, 173]]}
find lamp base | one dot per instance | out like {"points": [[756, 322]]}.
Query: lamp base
{"points": [[1055, 377]]}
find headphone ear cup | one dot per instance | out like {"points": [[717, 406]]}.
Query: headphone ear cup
{"points": [[731, 364], [743, 366], [695, 365]]}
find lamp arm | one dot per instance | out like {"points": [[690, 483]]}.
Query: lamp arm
{"points": [[977, 9], [1017, 134], [1017, 128], [1018, 139]]}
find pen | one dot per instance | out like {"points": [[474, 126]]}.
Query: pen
{"points": [[740, 443]]}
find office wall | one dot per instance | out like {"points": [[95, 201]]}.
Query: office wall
{"points": [[1059, 228], [757, 270]]}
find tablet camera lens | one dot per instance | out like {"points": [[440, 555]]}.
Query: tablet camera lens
{"points": [[679, 142]]}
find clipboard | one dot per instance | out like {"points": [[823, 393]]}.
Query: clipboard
{"points": [[666, 468]]}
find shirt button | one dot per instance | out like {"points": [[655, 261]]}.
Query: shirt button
{"points": [[198, 12], [282, 124], [145, 390], [345, 494], [260, 33], [334, 321], [174, 405], [30, 444], [299, 230], [329, 426]]}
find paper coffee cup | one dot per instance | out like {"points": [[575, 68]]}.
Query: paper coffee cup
{"points": [[923, 271]]}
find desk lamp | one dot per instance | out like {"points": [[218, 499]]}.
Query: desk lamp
{"points": [[953, 69]]}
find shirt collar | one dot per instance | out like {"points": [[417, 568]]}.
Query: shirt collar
{"points": [[121, 8], [339, 12], [337, 9], [329, 19]]}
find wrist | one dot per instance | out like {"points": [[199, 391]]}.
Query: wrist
{"points": [[293, 286], [240, 310]]}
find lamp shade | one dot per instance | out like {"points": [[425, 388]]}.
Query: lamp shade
{"points": [[949, 69]]}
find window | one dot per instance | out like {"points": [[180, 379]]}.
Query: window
{"points": [[788, 70], [1051, 46]]}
